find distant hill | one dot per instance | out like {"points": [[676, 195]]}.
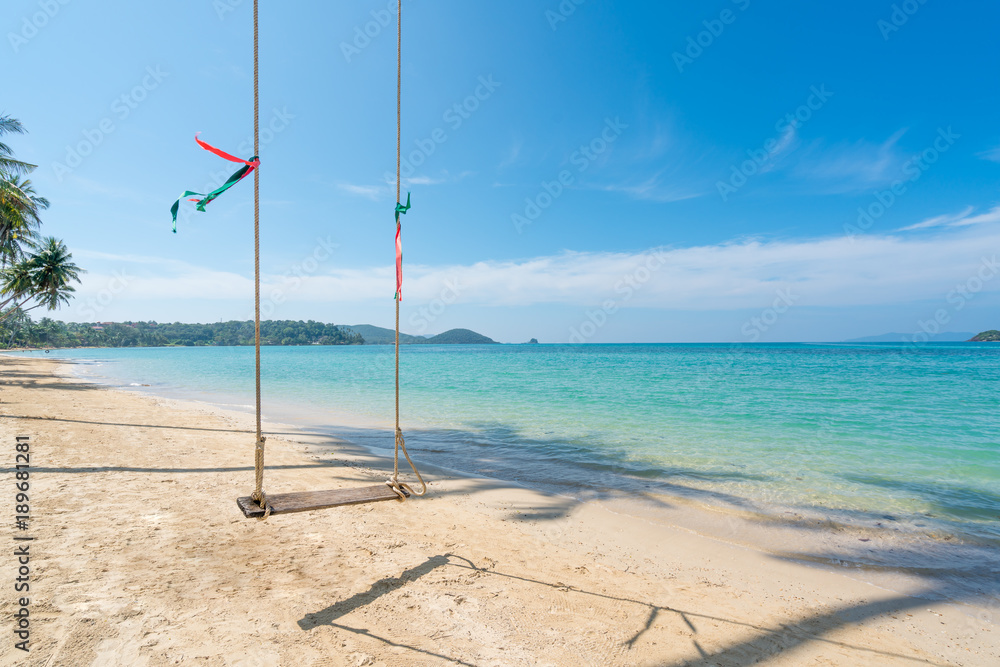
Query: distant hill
{"points": [[991, 336], [460, 337], [379, 336], [943, 337], [55, 334]]}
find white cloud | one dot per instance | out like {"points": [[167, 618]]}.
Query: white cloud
{"points": [[939, 220], [835, 271], [651, 189], [993, 155], [993, 215], [850, 168], [512, 155], [422, 180], [962, 219], [369, 191]]}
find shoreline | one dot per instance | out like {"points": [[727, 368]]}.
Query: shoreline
{"points": [[823, 536], [535, 556]]}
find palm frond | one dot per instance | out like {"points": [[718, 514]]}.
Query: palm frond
{"points": [[10, 125]]}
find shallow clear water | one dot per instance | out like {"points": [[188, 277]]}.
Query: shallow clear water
{"points": [[858, 432]]}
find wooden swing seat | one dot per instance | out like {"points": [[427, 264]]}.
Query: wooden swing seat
{"points": [[304, 501]]}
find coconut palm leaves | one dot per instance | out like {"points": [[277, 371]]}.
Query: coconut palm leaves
{"points": [[8, 165], [45, 277], [20, 218], [39, 272], [20, 206]]}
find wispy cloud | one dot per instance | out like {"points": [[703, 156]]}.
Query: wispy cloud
{"points": [[444, 177], [423, 180], [993, 155], [92, 187], [873, 270], [854, 167], [652, 189], [512, 155], [369, 191], [961, 219], [786, 143]]}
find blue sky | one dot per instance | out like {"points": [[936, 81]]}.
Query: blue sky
{"points": [[582, 170]]}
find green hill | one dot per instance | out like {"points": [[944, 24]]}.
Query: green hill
{"points": [[991, 336], [53, 333], [379, 336], [460, 337]]}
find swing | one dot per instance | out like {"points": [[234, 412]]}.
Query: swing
{"points": [[257, 504]]}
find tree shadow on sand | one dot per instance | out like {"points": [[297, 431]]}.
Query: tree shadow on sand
{"points": [[758, 642]]}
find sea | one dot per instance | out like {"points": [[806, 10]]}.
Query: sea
{"points": [[889, 452]]}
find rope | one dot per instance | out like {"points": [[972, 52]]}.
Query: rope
{"points": [[258, 494], [394, 483]]}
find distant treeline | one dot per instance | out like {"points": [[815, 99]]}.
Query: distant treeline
{"points": [[52, 333]]}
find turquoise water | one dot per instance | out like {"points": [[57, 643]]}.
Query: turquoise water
{"points": [[859, 432]]}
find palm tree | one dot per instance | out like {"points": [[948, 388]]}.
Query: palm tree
{"points": [[8, 165], [15, 321], [19, 217], [19, 206], [53, 270], [16, 284], [44, 277]]}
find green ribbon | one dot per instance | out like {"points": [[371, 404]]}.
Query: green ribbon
{"points": [[207, 199], [402, 209]]}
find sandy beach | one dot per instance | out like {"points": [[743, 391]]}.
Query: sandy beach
{"points": [[140, 557]]}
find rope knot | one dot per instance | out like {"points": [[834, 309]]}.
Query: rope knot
{"points": [[261, 499]]}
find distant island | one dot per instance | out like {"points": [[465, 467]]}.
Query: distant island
{"points": [[48, 333], [991, 336], [379, 336]]}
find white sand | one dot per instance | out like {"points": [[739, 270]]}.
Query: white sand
{"points": [[141, 557]]}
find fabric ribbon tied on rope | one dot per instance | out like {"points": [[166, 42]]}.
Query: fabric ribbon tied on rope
{"points": [[203, 200], [399, 247]]}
